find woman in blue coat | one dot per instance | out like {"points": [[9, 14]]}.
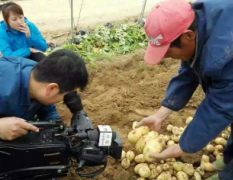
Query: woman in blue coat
{"points": [[18, 36]]}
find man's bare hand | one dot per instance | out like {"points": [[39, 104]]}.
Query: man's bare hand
{"points": [[13, 127]]}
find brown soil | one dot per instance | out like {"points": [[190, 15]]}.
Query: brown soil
{"points": [[126, 90]]}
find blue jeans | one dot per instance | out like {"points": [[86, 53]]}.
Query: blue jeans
{"points": [[227, 172]]}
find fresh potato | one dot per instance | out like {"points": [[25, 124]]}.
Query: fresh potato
{"points": [[176, 131], [134, 124], [137, 167], [167, 138], [188, 169], [224, 135], [216, 152], [170, 143], [178, 166], [182, 176], [142, 141], [220, 141], [139, 159], [188, 120], [173, 159], [165, 167], [169, 128], [137, 133], [200, 171], [229, 129], [164, 176], [144, 172], [155, 172], [125, 163], [175, 138], [219, 147], [174, 178], [210, 148], [123, 155], [141, 178], [197, 176], [130, 155], [219, 156], [152, 166], [153, 146], [168, 160], [205, 164]]}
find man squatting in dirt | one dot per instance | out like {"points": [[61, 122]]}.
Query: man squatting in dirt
{"points": [[30, 89], [201, 35]]}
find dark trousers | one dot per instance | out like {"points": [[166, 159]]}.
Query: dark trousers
{"points": [[227, 172], [36, 56]]}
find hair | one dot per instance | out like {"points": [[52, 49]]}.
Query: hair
{"points": [[64, 67], [192, 27], [10, 6]]}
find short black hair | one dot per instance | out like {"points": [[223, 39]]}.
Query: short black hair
{"points": [[192, 27], [64, 67]]}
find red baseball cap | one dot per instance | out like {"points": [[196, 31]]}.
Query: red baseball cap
{"points": [[165, 23]]}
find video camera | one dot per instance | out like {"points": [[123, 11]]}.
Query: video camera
{"points": [[56, 148]]}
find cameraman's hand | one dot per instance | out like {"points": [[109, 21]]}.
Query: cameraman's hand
{"points": [[13, 127], [155, 121]]}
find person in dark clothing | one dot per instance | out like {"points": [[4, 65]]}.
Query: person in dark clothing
{"points": [[29, 89], [18, 36], [201, 35]]}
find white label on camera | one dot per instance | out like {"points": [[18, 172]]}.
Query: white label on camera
{"points": [[105, 139], [104, 128]]}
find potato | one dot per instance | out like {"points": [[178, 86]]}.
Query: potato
{"points": [[216, 152], [123, 155], [197, 176], [188, 169], [155, 172], [205, 158], [137, 133], [188, 120], [182, 176], [200, 171], [208, 167], [125, 163], [176, 131], [142, 141], [139, 159], [137, 167], [229, 129], [220, 141], [219, 156], [210, 148], [219, 147], [174, 178], [168, 160], [134, 124], [182, 129], [224, 135], [178, 166], [141, 178], [153, 146], [175, 138], [165, 167], [173, 159], [144, 172], [169, 128], [164, 176], [170, 143], [167, 138], [152, 166], [130, 155]]}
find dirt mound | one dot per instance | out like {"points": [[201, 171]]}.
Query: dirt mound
{"points": [[126, 90]]}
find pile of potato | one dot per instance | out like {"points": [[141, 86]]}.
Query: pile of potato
{"points": [[147, 142]]}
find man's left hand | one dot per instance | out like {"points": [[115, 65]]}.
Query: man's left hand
{"points": [[170, 152]]}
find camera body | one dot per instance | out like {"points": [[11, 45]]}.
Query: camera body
{"points": [[51, 152]]}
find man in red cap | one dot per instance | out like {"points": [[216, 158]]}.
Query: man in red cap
{"points": [[201, 35]]}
